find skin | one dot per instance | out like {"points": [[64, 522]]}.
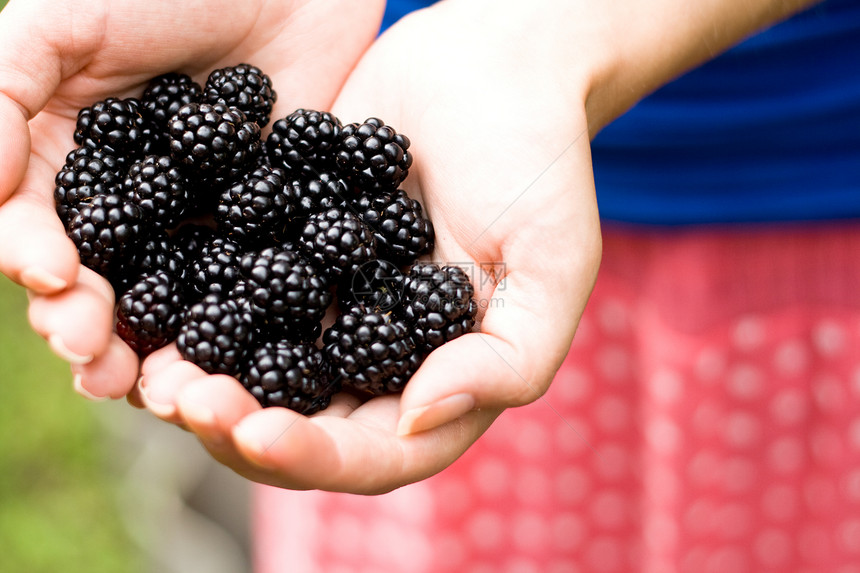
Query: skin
{"points": [[500, 100]]}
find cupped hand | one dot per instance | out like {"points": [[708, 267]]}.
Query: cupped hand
{"points": [[502, 167], [57, 57]]}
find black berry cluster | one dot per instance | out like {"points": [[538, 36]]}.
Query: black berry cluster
{"points": [[237, 246]]}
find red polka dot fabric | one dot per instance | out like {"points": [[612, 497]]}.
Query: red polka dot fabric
{"points": [[706, 420]]}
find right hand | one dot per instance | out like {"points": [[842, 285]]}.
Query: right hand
{"points": [[57, 57]]}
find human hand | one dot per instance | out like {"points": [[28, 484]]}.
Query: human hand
{"points": [[57, 57], [502, 167]]}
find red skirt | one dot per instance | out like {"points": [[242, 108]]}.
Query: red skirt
{"points": [[707, 419]]}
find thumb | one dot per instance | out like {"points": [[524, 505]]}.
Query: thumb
{"points": [[525, 335]]}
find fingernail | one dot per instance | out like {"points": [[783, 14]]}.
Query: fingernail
{"points": [[79, 388], [60, 349], [158, 408], [434, 415], [40, 280]]}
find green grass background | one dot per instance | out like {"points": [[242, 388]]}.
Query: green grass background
{"points": [[58, 490]]}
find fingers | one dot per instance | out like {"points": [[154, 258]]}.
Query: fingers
{"points": [[359, 454], [211, 406], [164, 375], [36, 251], [77, 322], [78, 325], [14, 146], [112, 374], [156, 361]]}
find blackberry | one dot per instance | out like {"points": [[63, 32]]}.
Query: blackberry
{"points": [[269, 326], [190, 238], [244, 87], [402, 231], [215, 140], [373, 154], [105, 232], [439, 304], [158, 187], [156, 252], [256, 208], [337, 242], [376, 285], [87, 172], [294, 376], [318, 192], [371, 351], [113, 125], [216, 334], [165, 94], [216, 267], [304, 142], [205, 189], [284, 288], [149, 314]]}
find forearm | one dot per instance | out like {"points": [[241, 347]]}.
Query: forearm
{"points": [[646, 44], [612, 53]]}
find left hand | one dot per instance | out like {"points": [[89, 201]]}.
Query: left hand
{"points": [[57, 57]]}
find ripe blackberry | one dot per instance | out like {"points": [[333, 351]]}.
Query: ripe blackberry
{"points": [[156, 252], [87, 172], [269, 326], [159, 188], [190, 238], [371, 351], [373, 154], [376, 285], [113, 125], [165, 94], [438, 303], [244, 87], [256, 208], [150, 313], [304, 142], [284, 284], [216, 267], [295, 376], [402, 231], [318, 192], [213, 139], [105, 232], [216, 334], [337, 242]]}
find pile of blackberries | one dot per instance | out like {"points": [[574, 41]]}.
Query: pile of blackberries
{"points": [[238, 247]]}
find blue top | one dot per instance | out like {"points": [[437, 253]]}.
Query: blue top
{"points": [[768, 131]]}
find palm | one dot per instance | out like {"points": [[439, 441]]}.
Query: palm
{"points": [[511, 197]]}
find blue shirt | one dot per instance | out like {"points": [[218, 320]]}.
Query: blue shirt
{"points": [[769, 130]]}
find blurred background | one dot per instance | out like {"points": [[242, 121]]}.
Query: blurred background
{"points": [[92, 487]]}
